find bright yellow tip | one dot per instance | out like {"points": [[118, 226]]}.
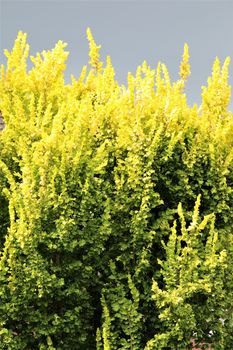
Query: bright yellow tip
{"points": [[185, 66], [94, 52], [89, 34]]}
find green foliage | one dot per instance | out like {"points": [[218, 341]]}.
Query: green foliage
{"points": [[116, 208], [193, 290]]}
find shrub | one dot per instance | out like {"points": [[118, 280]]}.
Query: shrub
{"points": [[119, 232]]}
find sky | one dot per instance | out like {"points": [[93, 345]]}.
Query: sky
{"points": [[129, 31]]}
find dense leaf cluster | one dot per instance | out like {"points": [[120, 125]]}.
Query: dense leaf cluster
{"points": [[116, 207]]}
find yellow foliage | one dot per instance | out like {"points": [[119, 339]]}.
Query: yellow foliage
{"points": [[94, 52], [40, 103], [184, 66], [129, 152]]}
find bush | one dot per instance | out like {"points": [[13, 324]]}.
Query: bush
{"points": [[119, 232]]}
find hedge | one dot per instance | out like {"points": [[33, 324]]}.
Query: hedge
{"points": [[116, 207]]}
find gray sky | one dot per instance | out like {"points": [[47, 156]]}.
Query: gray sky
{"points": [[130, 31]]}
